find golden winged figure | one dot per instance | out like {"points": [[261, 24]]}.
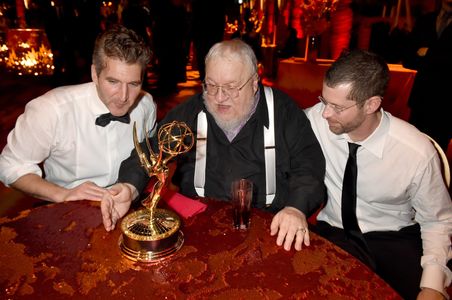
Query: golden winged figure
{"points": [[174, 138]]}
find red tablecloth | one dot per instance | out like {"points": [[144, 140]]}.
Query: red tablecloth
{"points": [[303, 82], [62, 251]]}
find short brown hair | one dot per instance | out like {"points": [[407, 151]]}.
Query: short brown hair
{"points": [[367, 73], [121, 43]]}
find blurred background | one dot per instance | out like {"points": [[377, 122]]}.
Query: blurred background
{"points": [[55, 37]]}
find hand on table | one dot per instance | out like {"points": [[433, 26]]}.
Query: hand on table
{"points": [[116, 203], [292, 227], [85, 191], [38, 187], [430, 294]]}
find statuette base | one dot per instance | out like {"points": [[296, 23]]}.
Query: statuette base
{"points": [[150, 237]]}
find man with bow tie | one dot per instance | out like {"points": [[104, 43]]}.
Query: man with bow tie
{"points": [[81, 133]]}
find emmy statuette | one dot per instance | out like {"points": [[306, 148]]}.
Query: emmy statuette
{"points": [[152, 234]]}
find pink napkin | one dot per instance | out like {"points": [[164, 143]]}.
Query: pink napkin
{"points": [[184, 206]]}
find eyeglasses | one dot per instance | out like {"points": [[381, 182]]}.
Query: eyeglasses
{"points": [[230, 91], [337, 109]]}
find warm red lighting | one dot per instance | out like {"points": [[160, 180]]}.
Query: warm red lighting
{"points": [[27, 52]]}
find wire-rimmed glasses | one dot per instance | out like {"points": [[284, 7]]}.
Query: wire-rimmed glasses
{"points": [[230, 91], [336, 108]]}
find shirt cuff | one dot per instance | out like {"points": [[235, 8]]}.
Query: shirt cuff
{"points": [[434, 277]]}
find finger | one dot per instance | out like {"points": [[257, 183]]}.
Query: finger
{"points": [[115, 215], [107, 223], [86, 192], [96, 192], [113, 223], [281, 235], [93, 197], [307, 240], [116, 189], [90, 196], [105, 208], [289, 239], [299, 237], [274, 225]]}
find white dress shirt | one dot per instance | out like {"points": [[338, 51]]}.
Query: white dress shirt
{"points": [[399, 183], [58, 128]]}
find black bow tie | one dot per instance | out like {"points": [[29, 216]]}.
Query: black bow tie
{"points": [[105, 119]]}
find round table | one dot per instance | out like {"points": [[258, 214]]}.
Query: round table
{"points": [[62, 251]]}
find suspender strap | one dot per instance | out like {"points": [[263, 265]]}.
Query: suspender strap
{"points": [[201, 154], [269, 151], [269, 143]]}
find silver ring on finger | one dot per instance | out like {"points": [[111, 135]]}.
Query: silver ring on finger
{"points": [[301, 229]]}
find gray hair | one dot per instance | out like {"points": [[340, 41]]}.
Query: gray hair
{"points": [[234, 49], [121, 43]]}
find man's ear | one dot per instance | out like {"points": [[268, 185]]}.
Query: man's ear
{"points": [[255, 84], [373, 104], [94, 74]]}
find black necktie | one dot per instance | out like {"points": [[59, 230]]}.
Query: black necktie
{"points": [[105, 119], [349, 220]]}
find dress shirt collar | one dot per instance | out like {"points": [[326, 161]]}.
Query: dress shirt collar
{"points": [[96, 105], [375, 142]]}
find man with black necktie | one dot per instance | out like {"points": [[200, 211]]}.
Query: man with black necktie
{"points": [[81, 133], [387, 202]]}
